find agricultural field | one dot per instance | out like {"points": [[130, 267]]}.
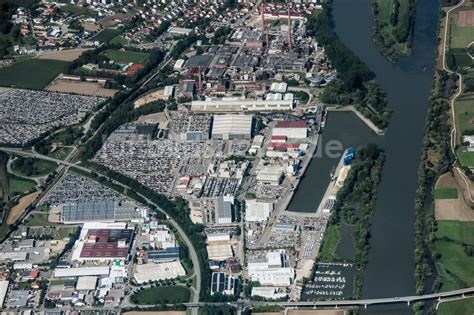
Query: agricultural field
{"points": [[456, 307], [127, 56], [19, 74], [466, 158], [119, 39], [106, 34], [465, 114], [446, 193], [161, 295], [461, 35], [454, 240]]}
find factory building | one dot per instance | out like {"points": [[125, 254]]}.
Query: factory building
{"points": [[222, 283], [241, 105], [226, 127], [296, 129], [257, 211], [163, 255]]}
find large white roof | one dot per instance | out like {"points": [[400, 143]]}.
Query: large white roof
{"points": [[232, 124]]}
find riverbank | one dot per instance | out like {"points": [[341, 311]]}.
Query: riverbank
{"points": [[393, 27]]}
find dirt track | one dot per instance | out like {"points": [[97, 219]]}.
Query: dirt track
{"points": [[148, 98], [18, 210], [63, 55], [85, 88]]}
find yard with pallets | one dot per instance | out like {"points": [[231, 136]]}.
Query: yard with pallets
{"points": [[20, 74]]}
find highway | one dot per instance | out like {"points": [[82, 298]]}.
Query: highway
{"points": [[192, 251]]}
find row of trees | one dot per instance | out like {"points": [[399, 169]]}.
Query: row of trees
{"points": [[356, 84], [436, 159]]}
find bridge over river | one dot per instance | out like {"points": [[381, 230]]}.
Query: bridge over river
{"points": [[346, 303]]}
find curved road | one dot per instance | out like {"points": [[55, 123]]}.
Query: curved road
{"points": [[192, 250]]}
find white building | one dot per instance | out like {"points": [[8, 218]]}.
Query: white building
{"points": [[279, 87], [178, 65], [272, 270], [267, 292], [168, 92], [219, 252], [232, 127], [257, 211], [470, 142], [3, 291], [154, 272], [241, 105], [297, 129]]}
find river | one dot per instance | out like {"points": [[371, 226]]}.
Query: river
{"points": [[390, 271]]}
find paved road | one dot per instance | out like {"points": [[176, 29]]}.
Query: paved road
{"points": [[192, 250]]}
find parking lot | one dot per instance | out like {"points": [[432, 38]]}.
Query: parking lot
{"points": [[26, 114]]}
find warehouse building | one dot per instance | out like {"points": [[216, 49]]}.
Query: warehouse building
{"points": [[227, 127], [103, 242], [3, 291], [163, 255], [292, 129], [222, 283], [155, 272], [268, 293], [81, 212], [241, 105], [224, 209], [81, 272], [270, 175], [257, 211]]}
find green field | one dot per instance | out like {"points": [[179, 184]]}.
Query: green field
{"points": [[332, 237], [19, 185], [127, 56], [36, 168], [106, 34], [32, 73], [454, 264], [464, 113], [38, 219], [461, 36], [60, 153], [458, 231], [446, 193], [457, 307], [161, 295], [466, 158], [119, 39]]}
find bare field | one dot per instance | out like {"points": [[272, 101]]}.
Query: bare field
{"points": [[18, 210], [452, 209], [85, 88], [63, 55], [148, 98], [465, 18]]}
